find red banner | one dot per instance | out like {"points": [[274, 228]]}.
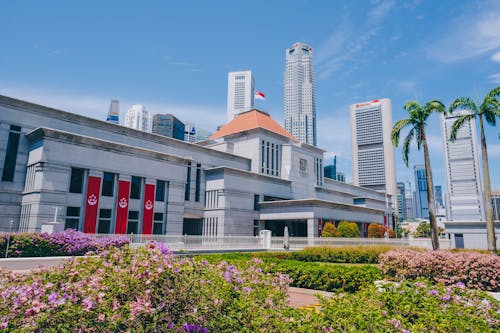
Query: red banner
{"points": [[92, 204], [122, 207], [149, 207]]}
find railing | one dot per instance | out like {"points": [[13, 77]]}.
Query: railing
{"points": [[205, 243]]}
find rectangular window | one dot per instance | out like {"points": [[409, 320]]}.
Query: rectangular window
{"points": [[160, 190], [72, 218], [9, 165], [108, 184], [76, 182], [197, 183], [104, 221], [133, 222], [188, 182], [135, 187], [158, 224], [256, 200]]}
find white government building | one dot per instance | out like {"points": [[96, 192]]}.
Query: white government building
{"points": [[106, 178]]}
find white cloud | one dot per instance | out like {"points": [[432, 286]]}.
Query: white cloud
{"points": [[474, 33], [496, 57], [97, 106], [494, 78]]}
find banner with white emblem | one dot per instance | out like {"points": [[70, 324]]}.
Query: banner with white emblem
{"points": [[122, 207], [91, 204], [148, 209]]}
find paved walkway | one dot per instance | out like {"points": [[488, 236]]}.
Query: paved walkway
{"points": [[300, 297]]}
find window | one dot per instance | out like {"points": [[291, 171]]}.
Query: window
{"points": [[303, 165], [188, 182], [9, 165], [270, 155], [256, 200], [359, 201], [135, 188], [133, 222], [197, 183], [108, 184], [158, 224], [160, 190], [256, 227], [76, 182], [72, 218], [104, 221]]}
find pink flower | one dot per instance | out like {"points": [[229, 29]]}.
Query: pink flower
{"points": [[87, 304]]}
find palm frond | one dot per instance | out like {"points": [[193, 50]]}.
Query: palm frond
{"points": [[493, 93], [465, 103], [406, 145], [490, 108], [419, 136], [396, 130], [461, 120], [434, 106]]}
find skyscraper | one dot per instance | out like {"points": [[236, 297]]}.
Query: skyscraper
{"points": [[114, 112], [193, 133], [300, 100], [438, 196], [138, 118], [401, 201], [168, 125], [462, 170], [420, 198], [373, 163], [240, 93]]}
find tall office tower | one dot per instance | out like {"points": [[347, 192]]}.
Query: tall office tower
{"points": [[373, 163], [240, 93], [168, 125], [300, 96], [409, 206], [401, 201], [138, 118], [420, 197], [330, 170], [114, 112], [495, 203], [461, 161]]}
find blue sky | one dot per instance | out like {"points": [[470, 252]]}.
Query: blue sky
{"points": [[173, 56]]}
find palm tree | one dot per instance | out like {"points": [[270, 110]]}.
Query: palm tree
{"points": [[417, 121], [488, 110]]}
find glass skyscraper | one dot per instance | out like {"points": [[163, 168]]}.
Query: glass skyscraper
{"points": [[421, 203], [300, 99]]}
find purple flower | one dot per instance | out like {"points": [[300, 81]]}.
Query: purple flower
{"points": [[227, 276], [460, 285], [433, 292], [53, 298], [247, 289], [446, 297], [87, 304], [405, 331], [193, 328]]}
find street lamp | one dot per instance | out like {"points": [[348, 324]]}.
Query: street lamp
{"points": [[8, 238]]}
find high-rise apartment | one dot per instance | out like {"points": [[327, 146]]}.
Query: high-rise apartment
{"points": [[373, 163], [300, 100], [138, 118], [421, 202], [114, 112], [240, 93], [462, 170], [168, 125]]}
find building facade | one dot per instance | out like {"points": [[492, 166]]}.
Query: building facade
{"points": [[401, 197], [240, 93], [421, 203], [138, 118], [495, 203], [106, 178], [300, 95], [373, 163], [168, 125], [461, 161], [114, 112]]}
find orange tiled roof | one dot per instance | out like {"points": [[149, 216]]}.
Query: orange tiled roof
{"points": [[250, 120]]}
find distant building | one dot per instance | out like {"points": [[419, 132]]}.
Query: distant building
{"points": [[401, 197], [420, 198], [192, 133], [168, 125], [495, 202], [114, 112], [138, 118], [300, 98], [462, 170], [240, 93], [330, 171], [340, 176], [410, 214], [438, 196]]}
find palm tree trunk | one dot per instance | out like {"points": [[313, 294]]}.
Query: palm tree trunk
{"points": [[490, 225], [430, 196]]}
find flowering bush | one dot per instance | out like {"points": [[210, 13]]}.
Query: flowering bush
{"points": [[145, 290], [476, 270], [412, 307], [67, 243]]}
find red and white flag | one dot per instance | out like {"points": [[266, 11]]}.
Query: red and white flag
{"points": [[259, 95]]}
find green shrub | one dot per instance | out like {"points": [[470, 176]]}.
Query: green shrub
{"points": [[348, 229], [342, 254], [329, 230]]}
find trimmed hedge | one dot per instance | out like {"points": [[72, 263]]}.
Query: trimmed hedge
{"points": [[343, 254]]}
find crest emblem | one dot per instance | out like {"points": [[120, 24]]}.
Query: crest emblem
{"points": [[122, 203], [92, 200], [148, 205]]}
